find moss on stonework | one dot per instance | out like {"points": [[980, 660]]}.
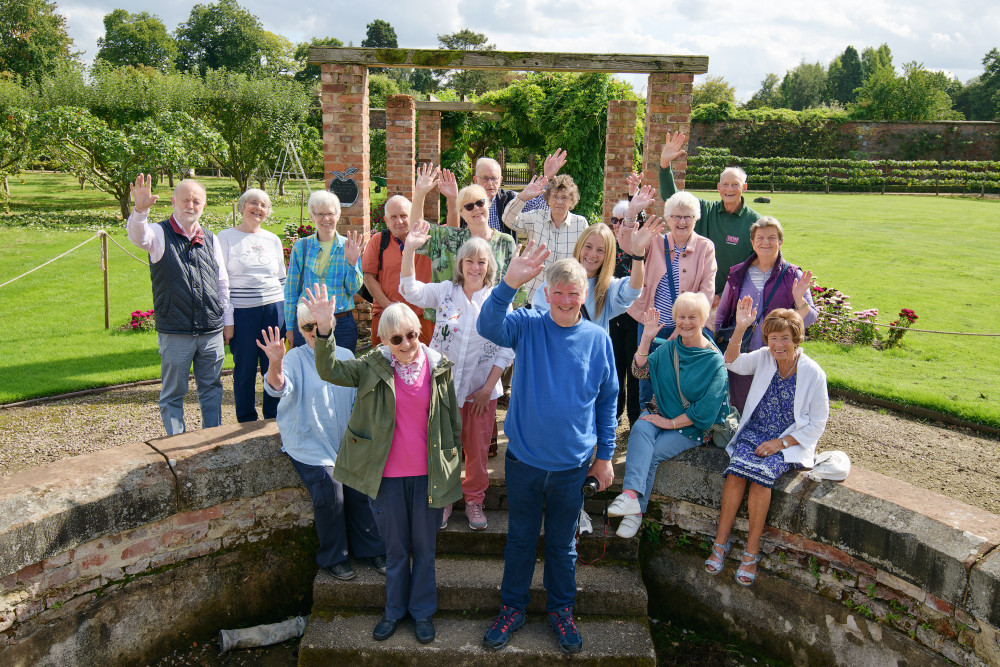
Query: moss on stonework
{"points": [[436, 58]]}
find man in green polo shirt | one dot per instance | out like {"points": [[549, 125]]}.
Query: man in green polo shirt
{"points": [[725, 223]]}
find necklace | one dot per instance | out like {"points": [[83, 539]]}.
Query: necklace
{"points": [[791, 371]]}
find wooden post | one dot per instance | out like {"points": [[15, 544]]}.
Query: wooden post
{"points": [[107, 292]]}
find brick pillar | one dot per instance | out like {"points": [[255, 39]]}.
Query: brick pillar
{"points": [[619, 152], [345, 140], [400, 140], [668, 109], [429, 150]]}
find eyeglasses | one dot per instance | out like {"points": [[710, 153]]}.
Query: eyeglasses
{"points": [[488, 179], [308, 327], [475, 204], [326, 215], [398, 340], [617, 221], [685, 218]]}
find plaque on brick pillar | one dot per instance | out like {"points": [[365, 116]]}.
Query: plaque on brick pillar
{"points": [[345, 187]]}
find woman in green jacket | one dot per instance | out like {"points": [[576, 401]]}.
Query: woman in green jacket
{"points": [[401, 448]]}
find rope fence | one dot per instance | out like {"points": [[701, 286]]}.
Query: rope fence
{"points": [[890, 326]]}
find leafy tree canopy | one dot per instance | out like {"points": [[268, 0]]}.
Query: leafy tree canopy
{"points": [[767, 95], [380, 35], [33, 38], [873, 59], [713, 89], [917, 95], [844, 76], [305, 71], [804, 87], [224, 35], [467, 83], [138, 39]]}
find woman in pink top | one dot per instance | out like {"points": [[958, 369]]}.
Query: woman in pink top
{"points": [[400, 448]]}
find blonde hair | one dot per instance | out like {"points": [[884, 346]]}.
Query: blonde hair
{"points": [[604, 275], [695, 300], [471, 193], [566, 272]]}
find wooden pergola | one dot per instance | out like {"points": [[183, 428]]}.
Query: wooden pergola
{"points": [[344, 81]]}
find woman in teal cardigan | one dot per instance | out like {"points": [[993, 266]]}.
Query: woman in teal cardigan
{"points": [[670, 425]]}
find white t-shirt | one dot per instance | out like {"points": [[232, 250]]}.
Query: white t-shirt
{"points": [[256, 266]]}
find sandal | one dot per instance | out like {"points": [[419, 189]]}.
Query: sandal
{"points": [[743, 576], [717, 561]]}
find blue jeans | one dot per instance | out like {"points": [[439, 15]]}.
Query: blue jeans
{"points": [[338, 512], [409, 525], [345, 330], [532, 492], [645, 386], [247, 325], [178, 352], [648, 447]]}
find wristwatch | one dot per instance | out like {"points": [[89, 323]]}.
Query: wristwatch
{"points": [[784, 444]]}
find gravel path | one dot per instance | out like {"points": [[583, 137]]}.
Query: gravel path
{"points": [[952, 461]]}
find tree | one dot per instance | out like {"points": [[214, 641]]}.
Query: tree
{"points": [[469, 82], [804, 87], [979, 99], [713, 89], [767, 95], [307, 72], [33, 38], [136, 39], [255, 118], [380, 35], [918, 95], [111, 158], [226, 35], [873, 60], [16, 119], [844, 76]]}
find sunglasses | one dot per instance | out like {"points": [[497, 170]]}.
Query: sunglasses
{"points": [[308, 327], [617, 221], [475, 204], [397, 339]]}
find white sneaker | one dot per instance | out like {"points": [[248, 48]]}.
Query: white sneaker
{"points": [[629, 526], [585, 527], [624, 506]]}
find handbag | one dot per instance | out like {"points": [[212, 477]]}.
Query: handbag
{"points": [[724, 334], [719, 433], [834, 466]]}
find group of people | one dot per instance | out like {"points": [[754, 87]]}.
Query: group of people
{"points": [[668, 321]]}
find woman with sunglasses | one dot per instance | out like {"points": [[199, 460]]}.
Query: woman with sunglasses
{"points": [[678, 261], [400, 449], [478, 362], [444, 242]]}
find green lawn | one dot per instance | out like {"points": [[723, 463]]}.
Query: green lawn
{"points": [[935, 255]]}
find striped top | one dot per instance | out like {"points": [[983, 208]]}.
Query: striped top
{"points": [[663, 300]]}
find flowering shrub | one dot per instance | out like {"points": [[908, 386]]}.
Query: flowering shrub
{"points": [[906, 319], [865, 330], [141, 320], [292, 234]]}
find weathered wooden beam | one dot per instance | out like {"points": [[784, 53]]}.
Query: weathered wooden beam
{"points": [[533, 61]]}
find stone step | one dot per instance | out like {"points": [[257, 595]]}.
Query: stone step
{"points": [[347, 640], [457, 538], [471, 584]]}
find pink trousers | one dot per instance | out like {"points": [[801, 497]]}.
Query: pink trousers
{"points": [[477, 431]]}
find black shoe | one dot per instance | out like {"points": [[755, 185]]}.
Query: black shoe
{"points": [[342, 571], [424, 630], [378, 562], [384, 629]]}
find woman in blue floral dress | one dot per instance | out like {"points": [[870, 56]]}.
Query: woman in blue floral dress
{"points": [[785, 414]]}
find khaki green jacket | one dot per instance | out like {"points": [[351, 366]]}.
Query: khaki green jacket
{"points": [[365, 446]]}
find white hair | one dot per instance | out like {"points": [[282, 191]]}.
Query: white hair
{"points": [[257, 193], [620, 209], [394, 318], [303, 316], [324, 198], [735, 171], [486, 161], [684, 200]]}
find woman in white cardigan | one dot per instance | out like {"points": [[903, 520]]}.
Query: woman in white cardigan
{"points": [[786, 412]]}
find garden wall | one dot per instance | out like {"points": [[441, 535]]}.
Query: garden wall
{"points": [[119, 556], [954, 140]]}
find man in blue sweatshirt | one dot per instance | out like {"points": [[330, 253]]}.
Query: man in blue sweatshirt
{"points": [[562, 405]]}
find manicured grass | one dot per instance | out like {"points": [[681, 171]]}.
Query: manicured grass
{"points": [[934, 255], [937, 256]]}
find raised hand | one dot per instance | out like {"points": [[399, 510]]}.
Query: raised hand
{"points": [[525, 266], [419, 234], [353, 246], [745, 313], [448, 185], [673, 148], [321, 306], [534, 188], [800, 287], [427, 178], [273, 346], [641, 236], [142, 193], [650, 322], [642, 199], [553, 163], [634, 181]]}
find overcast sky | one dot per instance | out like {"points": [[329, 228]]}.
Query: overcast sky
{"points": [[744, 40]]}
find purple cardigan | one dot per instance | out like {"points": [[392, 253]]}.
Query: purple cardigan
{"points": [[782, 297]]}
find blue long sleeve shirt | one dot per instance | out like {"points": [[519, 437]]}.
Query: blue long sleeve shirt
{"points": [[565, 390]]}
